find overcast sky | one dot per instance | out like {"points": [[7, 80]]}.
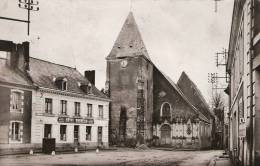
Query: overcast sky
{"points": [[180, 35]]}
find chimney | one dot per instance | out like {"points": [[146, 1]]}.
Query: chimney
{"points": [[9, 47], [26, 54], [90, 75], [23, 56], [18, 56]]}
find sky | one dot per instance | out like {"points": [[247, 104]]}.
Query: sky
{"points": [[180, 35]]}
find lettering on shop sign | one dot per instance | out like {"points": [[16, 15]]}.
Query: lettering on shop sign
{"points": [[75, 120]]}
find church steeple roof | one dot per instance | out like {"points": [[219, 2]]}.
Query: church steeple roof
{"points": [[129, 41]]}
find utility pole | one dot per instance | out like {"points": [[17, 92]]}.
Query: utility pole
{"points": [[221, 60], [29, 5]]}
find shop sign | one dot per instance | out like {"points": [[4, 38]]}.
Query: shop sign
{"points": [[242, 130], [75, 120]]}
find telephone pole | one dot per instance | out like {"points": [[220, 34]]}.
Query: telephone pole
{"points": [[29, 5]]}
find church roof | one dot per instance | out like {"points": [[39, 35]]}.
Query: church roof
{"points": [[179, 91], [129, 41], [192, 92]]}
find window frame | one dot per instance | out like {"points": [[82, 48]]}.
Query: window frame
{"points": [[20, 132], [77, 108], [89, 111], [64, 85], [51, 128], [20, 100], [48, 105], [64, 107], [88, 134], [63, 138], [101, 110], [162, 110]]}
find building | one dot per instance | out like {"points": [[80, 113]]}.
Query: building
{"points": [[15, 96], [67, 106], [244, 87], [41, 99], [193, 94], [147, 106]]}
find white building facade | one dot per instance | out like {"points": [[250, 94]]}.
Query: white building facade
{"points": [[70, 119], [67, 106]]}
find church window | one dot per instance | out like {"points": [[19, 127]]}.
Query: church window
{"points": [[166, 110]]}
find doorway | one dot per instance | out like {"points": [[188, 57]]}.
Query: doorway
{"points": [[47, 130], [76, 134], [165, 134], [100, 135]]}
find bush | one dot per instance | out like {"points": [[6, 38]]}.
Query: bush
{"points": [[130, 142]]}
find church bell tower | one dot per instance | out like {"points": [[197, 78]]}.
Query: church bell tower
{"points": [[130, 86]]}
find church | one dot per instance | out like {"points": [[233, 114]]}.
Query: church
{"points": [[146, 105]]}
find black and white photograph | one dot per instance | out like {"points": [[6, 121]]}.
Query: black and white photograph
{"points": [[129, 82]]}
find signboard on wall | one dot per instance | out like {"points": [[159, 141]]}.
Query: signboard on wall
{"points": [[242, 130], [75, 120]]}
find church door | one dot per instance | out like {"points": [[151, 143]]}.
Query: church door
{"points": [[165, 134]]}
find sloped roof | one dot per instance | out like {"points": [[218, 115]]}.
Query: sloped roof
{"points": [[190, 89], [43, 72], [13, 76], [129, 41], [182, 95]]}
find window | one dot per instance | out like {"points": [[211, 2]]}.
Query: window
{"points": [[89, 111], [63, 132], [47, 131], [88, 133], [64, 85], [89, 88], [77, 108], [48, 106], [16, 101], [99, 135], [166, 110], [16, 131], [63, 104], [100, 111]]}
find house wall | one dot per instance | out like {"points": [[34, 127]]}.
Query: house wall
{"points": [[7, 115], [242, 36], [39, 118]]}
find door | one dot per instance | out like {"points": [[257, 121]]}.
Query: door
{"points": [[165, 134], [76, 133], [99, 135], [47, 131]]}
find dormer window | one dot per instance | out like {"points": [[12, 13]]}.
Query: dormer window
{"points": [[61, 82], [87, 88], [64, 85]]}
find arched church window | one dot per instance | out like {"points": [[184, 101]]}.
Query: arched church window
{"points": [[166, 110]]}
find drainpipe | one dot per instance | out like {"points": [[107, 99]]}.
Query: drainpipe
{"points": [[251, 125]]}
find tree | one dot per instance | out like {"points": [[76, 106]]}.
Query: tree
{"points": [[218, 105]]}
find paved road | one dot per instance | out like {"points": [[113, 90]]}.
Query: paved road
{"points": [[118, 158]]}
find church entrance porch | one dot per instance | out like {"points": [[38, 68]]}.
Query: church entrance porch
{"points": [[165, 134]]}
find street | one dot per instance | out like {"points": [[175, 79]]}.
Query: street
{"points": [[129, 157]]}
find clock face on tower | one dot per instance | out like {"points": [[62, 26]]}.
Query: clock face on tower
{"points": [[123, 63]]}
